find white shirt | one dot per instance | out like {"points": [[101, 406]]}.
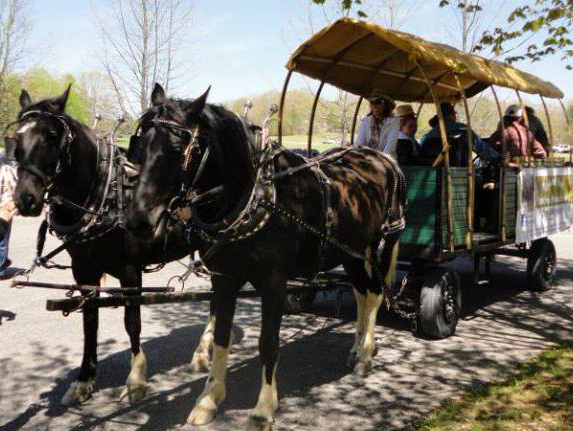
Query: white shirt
{"points": [[387, 139]]}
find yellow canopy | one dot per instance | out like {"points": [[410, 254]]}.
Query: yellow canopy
{"points": [[359, 57]]}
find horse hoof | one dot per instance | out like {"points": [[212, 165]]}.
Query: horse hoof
{"points": [[201, 415], [259, 423], [78, 393], [200, 362], [351, 361], [134, 393], [362, 368]]}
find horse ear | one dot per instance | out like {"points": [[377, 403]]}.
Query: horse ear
{"points": [[60, 102], [158, 95], [199, 104], [25, 99]]}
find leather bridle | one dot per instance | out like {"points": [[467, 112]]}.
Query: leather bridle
{"points": [[193, 146], [64, 148]]}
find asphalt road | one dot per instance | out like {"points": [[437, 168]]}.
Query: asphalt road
{"points": [[40, 351]]}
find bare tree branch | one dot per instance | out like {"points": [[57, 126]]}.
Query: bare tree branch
{"points": [[142, 41]]}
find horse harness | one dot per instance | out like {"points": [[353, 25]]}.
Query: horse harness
{"points": [[261, 203], [101, 213]]}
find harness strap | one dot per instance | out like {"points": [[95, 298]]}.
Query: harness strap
{"points": [[313, 162]]}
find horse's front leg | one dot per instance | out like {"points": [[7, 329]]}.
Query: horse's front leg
{"points": [[82, 388], [224, 301], [273, 296], [201, 359], [135, 385]]}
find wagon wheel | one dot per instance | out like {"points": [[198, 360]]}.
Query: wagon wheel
{"points": [[541, 265], [298, 302], [440, 303]]}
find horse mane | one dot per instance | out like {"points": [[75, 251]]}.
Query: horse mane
{"points": [[232, 140]]}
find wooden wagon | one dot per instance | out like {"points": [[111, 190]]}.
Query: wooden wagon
{"points": [[360, 57]]}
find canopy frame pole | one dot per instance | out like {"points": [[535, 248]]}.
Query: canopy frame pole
{"points": [[550, 127], [282, 106], [568, 122], [419, 109], [502, 188], [435, 81], [526, 119], [354, 119], [446, 156], [470, 174], [335, 61], [312, 114]]}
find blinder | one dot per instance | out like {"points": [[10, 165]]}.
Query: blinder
{"points": [[64, 158], [134, 151], [188, 153], [10, 146]]}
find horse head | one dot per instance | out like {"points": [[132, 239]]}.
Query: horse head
{"points": [[170, 145], [189, 147], [41, 149]]}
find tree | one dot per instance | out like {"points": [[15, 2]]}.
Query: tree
{"points": [[142, 41], [550, 19], [14, 30]]}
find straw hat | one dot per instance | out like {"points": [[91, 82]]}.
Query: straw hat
{"points": [[405, 111]]}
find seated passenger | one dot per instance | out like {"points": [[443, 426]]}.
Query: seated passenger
{"points": [[379, 129], [407, 149], [518, 138], [536, 127], [457, 137]]}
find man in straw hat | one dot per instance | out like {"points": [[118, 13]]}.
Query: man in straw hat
{"points": [[379, 129], [407, 148]]}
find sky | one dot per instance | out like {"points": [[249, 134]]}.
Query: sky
{"points": [[240, 47]]}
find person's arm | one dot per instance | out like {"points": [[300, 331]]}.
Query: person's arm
{"points": [[538, 152], [495, 138], [484, 150], [361, 141], [391, 137], [7, 211]]}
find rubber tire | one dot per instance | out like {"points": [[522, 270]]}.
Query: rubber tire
{"points": [[296, 303], [540, 252], [432, 321]]}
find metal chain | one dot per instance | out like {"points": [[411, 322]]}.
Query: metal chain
{"points": [[392, 303]]}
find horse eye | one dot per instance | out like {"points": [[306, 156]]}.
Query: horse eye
{"points": [[53, 132]]}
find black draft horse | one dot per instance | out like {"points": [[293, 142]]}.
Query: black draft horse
{"points": [[206, 147], [71, 167]]}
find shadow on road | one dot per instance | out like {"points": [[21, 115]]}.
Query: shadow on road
{"points": [[312, 376]]}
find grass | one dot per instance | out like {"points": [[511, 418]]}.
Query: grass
{"points": [[318, 141], [538, 397]]}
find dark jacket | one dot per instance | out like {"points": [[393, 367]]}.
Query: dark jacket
{"points": [[3, 228], [407, 151]]}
